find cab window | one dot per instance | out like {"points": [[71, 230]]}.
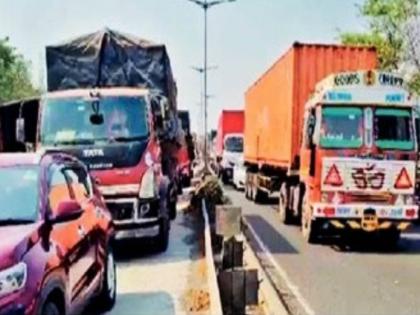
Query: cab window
{"points": [[342, 127]]}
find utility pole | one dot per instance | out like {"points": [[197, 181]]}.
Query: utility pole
{"points": [[201, 71], [205, 5]]}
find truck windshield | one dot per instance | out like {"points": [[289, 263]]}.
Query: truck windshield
{"points": [[234, 144], [19, 194], [66, 121], [341, 127], [393, 129]]}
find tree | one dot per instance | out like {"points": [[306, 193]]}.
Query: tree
{"points": [[387, 20], [15, 79]]}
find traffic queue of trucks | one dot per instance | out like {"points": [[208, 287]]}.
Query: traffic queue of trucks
{"points": [[111, 102], [336, 140]]}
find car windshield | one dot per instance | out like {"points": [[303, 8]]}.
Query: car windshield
{"points": [[342, 127], [234, 144], [68, 121], [19, 194], [393, 129]]}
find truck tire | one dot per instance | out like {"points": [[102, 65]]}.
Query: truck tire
{"points": [[310, 230], [260, 196], [284, 211], [162, 240], [390, 238], [225, 179]]}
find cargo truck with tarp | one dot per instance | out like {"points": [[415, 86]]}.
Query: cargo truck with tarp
{"points": [[338, 147], [111, 102]]}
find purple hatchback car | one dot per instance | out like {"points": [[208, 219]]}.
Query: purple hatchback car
{"points": [[55, 237]]}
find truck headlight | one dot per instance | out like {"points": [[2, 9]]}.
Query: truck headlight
{"points": [[13, 279], [147, 185]]}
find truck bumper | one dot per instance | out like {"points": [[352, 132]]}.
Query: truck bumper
{"points": [[123, 232], [367, 217], [134, 218]]}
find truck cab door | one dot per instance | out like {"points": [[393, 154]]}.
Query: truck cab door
{"points": [[308, 149]]}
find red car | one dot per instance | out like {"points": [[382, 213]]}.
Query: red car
{"points": [[56, 237]]}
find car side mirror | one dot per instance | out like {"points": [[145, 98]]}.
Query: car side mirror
{"points": [[20, 130], [67, 210]]}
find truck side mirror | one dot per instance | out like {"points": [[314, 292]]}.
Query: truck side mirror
{"points": [[20, 130], [160, 111], [163, 103]]}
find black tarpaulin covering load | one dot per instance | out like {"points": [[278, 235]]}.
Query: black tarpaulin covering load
{"points": [[107, 59]]}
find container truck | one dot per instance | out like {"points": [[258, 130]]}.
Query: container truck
{"points": [[111, 102], [336, 140], [229, 142]]}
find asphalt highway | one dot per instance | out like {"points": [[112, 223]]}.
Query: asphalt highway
{"points": [[332, 277]]}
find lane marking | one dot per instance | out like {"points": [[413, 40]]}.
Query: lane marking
{"points": [[292, 287]]}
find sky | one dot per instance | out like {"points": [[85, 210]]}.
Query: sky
{"points": [[245, 37]]}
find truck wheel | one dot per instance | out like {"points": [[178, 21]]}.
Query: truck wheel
{"points": [[247, 191], [309, 226], [162, 240], [172, 210], [225, 178], [284, 212], [260, 196], [390, 238]]}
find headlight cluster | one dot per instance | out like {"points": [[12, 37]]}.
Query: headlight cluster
{"points": [[147, 185], [13, 279]]}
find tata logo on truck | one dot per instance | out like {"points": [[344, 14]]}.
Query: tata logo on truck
{"points": [[90, 153]]}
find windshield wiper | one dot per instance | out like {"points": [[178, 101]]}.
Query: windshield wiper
{"points": [[75, 142], [129, 139], [4, 222]]}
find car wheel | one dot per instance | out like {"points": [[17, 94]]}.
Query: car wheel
{"points": [[50, 308], [108, 294], [162, 240]]}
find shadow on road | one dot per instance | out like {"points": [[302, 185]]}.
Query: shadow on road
{"points": [[409, 244], [141, 304], [275, 242]]}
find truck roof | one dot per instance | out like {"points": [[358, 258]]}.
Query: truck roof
{"points": [[113, 91], [362, 87]]}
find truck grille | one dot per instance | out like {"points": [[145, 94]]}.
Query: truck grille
{"points": [[371, 198], [121, 211]]}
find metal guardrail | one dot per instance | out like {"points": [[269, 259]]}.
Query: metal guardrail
{"points": [[215, 302]]}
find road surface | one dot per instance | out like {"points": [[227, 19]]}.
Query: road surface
{"points": [[327, 279], [169, 283]]}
